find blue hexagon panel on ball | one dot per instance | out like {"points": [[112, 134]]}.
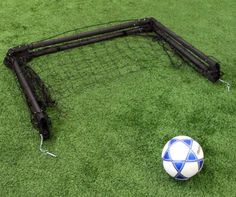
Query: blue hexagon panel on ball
{"points": [[182, 157]]}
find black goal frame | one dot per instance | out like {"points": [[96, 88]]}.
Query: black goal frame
{"points": [[18, 57]]}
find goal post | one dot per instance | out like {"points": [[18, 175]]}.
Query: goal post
{"points": [[36, 92]]}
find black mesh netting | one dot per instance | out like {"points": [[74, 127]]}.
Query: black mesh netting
{"points": [[71, 72]]}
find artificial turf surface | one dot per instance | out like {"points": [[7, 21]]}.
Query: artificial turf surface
{"points": [[109, 137]]}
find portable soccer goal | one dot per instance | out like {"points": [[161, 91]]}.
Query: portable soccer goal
{"points": [[147, 34]]}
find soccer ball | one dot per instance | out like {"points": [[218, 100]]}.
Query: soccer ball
{"points": [[182, 157]]}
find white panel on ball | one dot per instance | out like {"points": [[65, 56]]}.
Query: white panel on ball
{"points": [[179, 151], [190, 169], [182, 137], [169, 168], [197, 149]]}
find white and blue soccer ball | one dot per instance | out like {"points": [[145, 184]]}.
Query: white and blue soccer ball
{"points": [[182, 157]]}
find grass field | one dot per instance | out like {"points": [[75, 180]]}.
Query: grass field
{"points": [[109, 137]]}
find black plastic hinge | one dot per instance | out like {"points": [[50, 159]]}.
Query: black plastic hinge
{"points": [[214, 73], [22, 57], [43, 123]]}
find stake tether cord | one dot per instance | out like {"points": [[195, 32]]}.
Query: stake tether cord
{"points": [[36, 93], [226, 83], [44, 150]]}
